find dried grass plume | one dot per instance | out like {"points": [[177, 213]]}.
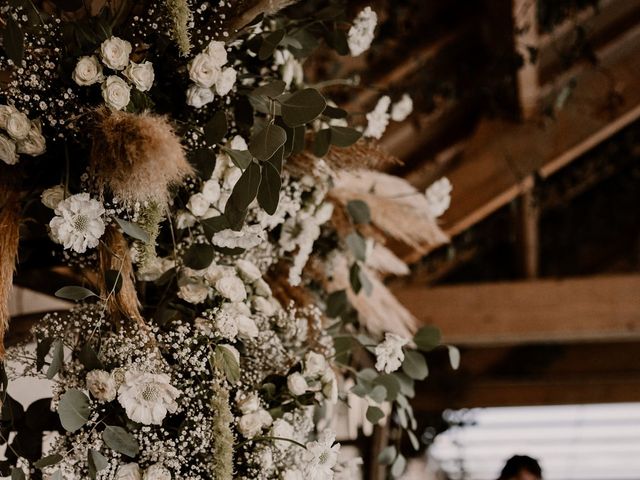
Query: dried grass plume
{"points": [[9, 236], [138, 157]]}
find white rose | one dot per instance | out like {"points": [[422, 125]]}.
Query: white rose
{"points": [[115, 53], [88, 71], [251, 424], [198, 96], [231, 177], [193, 291], [211, 191], [248, 271], [18, 125], [262, 288], [101, 385], [5, 111], [203, 70], [297, 384], [34, 143], [282, 429], [216, 272], [198, 204], [116, 93], [217, 52], [249, 403], [239, 143], [226, 81], [140, 74], [232, 288], [8, 150], [157, 471], [130, 471], [247, 328], [314, 364], [185, 220], [51, 197], [263, 305]]}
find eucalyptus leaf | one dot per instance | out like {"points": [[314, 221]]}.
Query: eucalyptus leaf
{"points": [[414, 440], [74, 293], [43, 347], [226, 361], [73, 410], [204, 160], [199, 256], [427, 338], [415, 365], [374, 414], [17, 474], [89, 358], [269, 190], [272, 89], [245, 189], [13, 40], [48, 461], [344, 136], [387, 455], [378, 394], [337, 303], [399, 465], [213, 225], [267, 141], [96, 462], [337, 39], [216, 128], [57, 359], [118, 439], [134, 230], [270, 43], [322, 142], [302, 107], [391, 385], [240, 158], [407, 384], [357, 245], [454, 357], [354, 278], [359, 212], [277, 159], [335, 112]]}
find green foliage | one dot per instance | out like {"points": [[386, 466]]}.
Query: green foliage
{"points": [[216, 128], [96, 462], [57, 359], [74, 293], [269, 44], [118, 439], [48, 461], [427, 338], [359, 212], [269, 190], [134, 230], [267, 141], [302, 107], [374, 414], [414, 365], [73, 410], [13, 40], [198, 256]]}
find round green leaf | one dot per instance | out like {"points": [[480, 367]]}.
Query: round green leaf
{"points": [[387, 455], [48, 461], [269, 190], [302, 107], [322, 142], [374, 414], [265, 143], [269, 44], [359, 211], [427, 338], [118, 439], [272, 89], [198, 256], [415, 365], [216, 128], [399, 465], [245, 189], [357, 245], [57, 359], [344, 136], [73, 410]]}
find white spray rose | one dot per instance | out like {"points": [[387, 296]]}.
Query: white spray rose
{"points": [[198, 96], [140, 74], [198, 204], [130, 471], [262, 288], [263, 305], [157, 471], [116, 93], [115, 53], [217, 52], [88, 71], [192, 291], [8, 150], [297, 384], [185, 220], [18, 125], [282, 429], [51, 197], [5, 111], [251, 424], [226, 81], [101, 385], [249, 403], [203, 70], [247, 328], [211, 191], [314, 364], [34, 143], [232, 288]]}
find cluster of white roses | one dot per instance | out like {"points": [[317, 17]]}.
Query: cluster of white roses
{"points": [[114, 54], [146, 397], [317, 376], [208, 76], [22, 135], [378, 118]]}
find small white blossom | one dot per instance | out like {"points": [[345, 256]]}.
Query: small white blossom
{"points": [[232, 288], [115, 53], [101, 385], [204, 70], [314, 364], [249, 403], [157, 471], [402, 109], [140, 74], [211, 191], [320, 457], [362, 31], [78, 223], [252, 423], [248, 271], [88, 71], [226, 81], [198, 204], [378, 118], [296, 384], [116, 93], [147, 397], [198, 96], [216, 50], [389, 354], [439, 196]]}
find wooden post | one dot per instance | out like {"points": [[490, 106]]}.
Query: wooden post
{"points": [[527, 219]]}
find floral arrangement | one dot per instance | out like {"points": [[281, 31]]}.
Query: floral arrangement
{"points": [[223, 227]]}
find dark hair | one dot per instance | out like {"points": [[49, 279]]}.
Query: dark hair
{"points": [[517, 464]]}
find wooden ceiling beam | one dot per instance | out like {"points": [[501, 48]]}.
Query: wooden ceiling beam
{"points": [[596, 308]]}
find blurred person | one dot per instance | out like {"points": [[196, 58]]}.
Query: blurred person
{"points": [[521, 467]]}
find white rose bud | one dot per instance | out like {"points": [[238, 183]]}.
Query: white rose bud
{"points": [[232, 288], [157, 471], [263, 305], [8, 150], [249, 403], [247, 328], [193, 291], [226, 81], [198, 204], [115, 53], [34, 143], [116, 93], [51, 197], [203, 70], [297, 384], [262, 288], [88, 71], [101, 385], [198, 96], [5, 111], [18, 125], [217, 52], [248, 271], [140, 74], [130, 471]]}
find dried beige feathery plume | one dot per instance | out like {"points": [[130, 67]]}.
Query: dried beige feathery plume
{"points": [[223, 440], [379, 311], [181, 15], [114, 255], [396, 207], [385, 262], [9, 237], [137, 156]]}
